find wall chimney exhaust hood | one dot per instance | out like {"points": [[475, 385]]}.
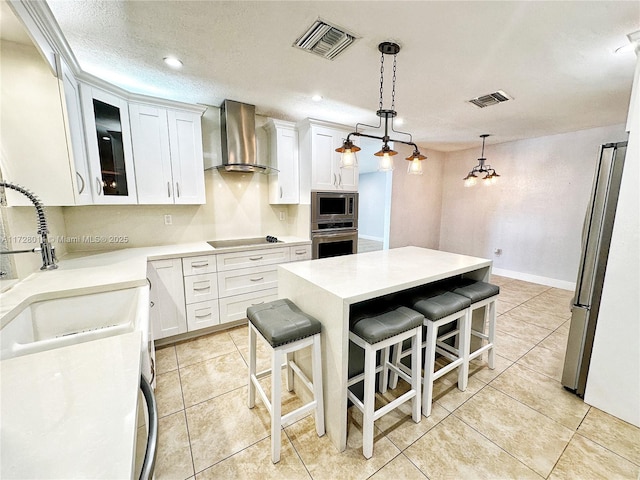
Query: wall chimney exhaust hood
{"points": [[238, 131]]}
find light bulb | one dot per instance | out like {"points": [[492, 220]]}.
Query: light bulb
{"points": [[415, 167], [386, 163], [348, 159], [470, 181]]}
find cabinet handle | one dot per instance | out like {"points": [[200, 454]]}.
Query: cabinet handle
{"points": [[259, 303], [201, 289], [99, 185], [255, 258], [200, 264], [280, 192], [208, 314], [256, 279], [334, 179], [340, 179], [178, 189], [169, 189], [81, 180], [300, 252], [149, 282]]}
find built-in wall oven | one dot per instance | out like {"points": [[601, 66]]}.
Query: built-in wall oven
{"points": [[334, 224]]}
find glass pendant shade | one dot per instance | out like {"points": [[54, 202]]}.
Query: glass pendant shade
{"points": [[415, 167], [348, 158], [470, 180]]}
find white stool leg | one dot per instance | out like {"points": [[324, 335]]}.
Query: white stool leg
{"points": [[384, 373], [416, 363], [368, 400], [276, 404], [429, 366], [317, 384], [289, 372], [252, 366], [396, 350], [464, 345], [492, 333]]}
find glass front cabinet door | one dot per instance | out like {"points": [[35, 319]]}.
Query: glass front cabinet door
{"points": [[109, 148]]}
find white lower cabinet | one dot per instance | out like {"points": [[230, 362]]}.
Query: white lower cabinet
{"points": [[203, 291], [167, 314], [202, 315], [235, 308]]}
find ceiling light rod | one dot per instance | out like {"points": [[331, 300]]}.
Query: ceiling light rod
{"points": [[348, 149], [492, 175]]}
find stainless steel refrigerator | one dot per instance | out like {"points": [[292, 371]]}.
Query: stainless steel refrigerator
{"points": [[596, 239]]}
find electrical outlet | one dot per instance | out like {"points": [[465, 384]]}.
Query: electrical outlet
{"points": [[168, 220], [283, 216]]}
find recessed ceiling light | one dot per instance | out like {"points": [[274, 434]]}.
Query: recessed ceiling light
{"points": [[316, 98], [173, 62]]}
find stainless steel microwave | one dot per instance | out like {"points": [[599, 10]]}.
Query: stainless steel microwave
{"points": [[334, 211]]}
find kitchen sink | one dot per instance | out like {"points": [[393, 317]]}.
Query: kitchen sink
{"points": [[242, 242], [59, 322]]}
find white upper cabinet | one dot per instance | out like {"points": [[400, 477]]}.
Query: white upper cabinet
{"points": [[284, 185], [106, 121], [185, 142], [76, 136], [319, 141], [167, 150]]}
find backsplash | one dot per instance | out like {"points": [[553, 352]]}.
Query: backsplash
{"points": [[237, 207]]}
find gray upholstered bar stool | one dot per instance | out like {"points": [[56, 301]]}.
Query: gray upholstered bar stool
{"points": [[481, 294], [440, 308], [286, 329], [373, 330]]}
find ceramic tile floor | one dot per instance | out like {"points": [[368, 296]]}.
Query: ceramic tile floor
{"points": [[512, 422]]}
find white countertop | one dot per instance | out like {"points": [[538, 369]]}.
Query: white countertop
{"points": [[90, 272], [71, 412], [359, 277]]}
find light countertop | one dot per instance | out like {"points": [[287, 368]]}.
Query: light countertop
{"points": [[91, 272], [355, 278], [71, 412]]}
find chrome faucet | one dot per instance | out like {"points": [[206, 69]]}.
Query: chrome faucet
{"points": [[46, 249]]}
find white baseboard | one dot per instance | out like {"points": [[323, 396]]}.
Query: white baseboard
{"points": [[371, 237], [551, 282]]}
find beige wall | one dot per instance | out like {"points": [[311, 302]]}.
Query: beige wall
{"points": [[416, 201], [535, 212]]}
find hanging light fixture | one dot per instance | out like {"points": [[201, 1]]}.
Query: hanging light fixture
{"points": [[348, 149], [491, 175]]}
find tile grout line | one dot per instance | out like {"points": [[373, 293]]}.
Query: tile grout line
{"points": [[184, 411]]}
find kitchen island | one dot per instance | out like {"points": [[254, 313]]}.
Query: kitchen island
{"points": [[326, 288]]}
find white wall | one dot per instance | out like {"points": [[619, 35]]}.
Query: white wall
{"points": [[613, 384], [534, 213], [372, 189], [416, 201]]}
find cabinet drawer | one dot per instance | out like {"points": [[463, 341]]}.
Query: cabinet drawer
{"points": [[235, 308], [300, 252], [252, 258], [245, 280], [199, 288], [198, 265], [202, 315]]}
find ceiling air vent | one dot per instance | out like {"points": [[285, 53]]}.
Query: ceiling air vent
{"points": [[325, 40], [490, 99]]}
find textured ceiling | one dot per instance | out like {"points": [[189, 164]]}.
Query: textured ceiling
{"points": [[555, 58]]}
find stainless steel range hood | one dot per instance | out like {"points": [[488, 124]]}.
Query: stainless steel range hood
{"points": [[238, 130]]}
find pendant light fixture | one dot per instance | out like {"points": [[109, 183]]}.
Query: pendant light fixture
{"points": [[348, 149], [491, 175]]}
